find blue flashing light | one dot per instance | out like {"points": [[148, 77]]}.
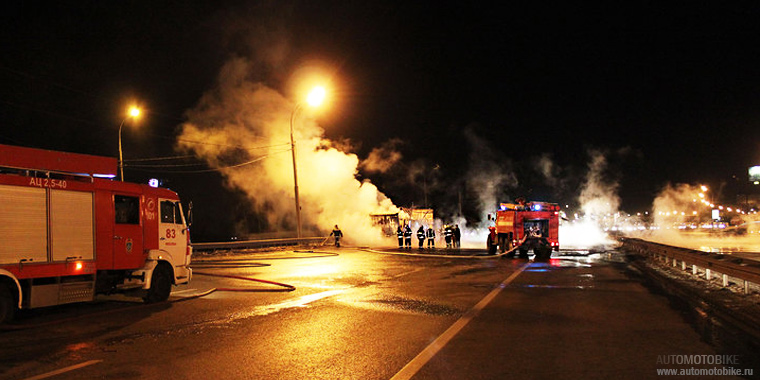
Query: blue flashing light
{"points": [[536, 207], [153, 182]]}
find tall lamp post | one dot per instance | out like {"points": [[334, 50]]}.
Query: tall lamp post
{"points": [[314, 99], [133, 113]]}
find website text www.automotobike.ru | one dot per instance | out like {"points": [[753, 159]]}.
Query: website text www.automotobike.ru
{"points": [[711, 360]]}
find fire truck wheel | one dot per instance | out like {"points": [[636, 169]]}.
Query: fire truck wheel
{"points": [[160, 284], [7, 304], [543, 252]]}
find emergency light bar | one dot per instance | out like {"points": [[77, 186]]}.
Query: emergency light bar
{"points": [[530, 206], [106, 176]]}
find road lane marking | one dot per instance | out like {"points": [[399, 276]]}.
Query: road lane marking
{"points": [[411, 368], [64, 370]]}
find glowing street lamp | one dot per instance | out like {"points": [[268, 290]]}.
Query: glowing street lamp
{"points": [[134, 112], [314, 99], [316, 96]]}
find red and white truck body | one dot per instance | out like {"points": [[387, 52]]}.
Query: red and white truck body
{"points": [[524, 226], [68, 231]]}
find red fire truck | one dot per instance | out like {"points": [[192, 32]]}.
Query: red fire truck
{"points": [[69, 230], [525, 226]]}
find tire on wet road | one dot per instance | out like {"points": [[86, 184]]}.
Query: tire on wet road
{"points": [[160, 284]]}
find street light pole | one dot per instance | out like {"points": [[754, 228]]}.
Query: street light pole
{"points": [[314, 99], [295, 171], [133, 113], [121, 155]]}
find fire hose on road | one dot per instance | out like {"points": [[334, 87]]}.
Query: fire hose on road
{"points": [[285, 287], [247, 263]]}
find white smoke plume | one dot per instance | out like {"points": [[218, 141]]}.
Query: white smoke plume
{"points": [[674, 205], [599, 194], [490, 175], [548, 169], [680, 216], [599, 202], [243, 127], [383, 158]]}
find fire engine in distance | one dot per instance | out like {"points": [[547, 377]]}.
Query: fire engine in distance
{"points": [[70, 231], [525, 226]]}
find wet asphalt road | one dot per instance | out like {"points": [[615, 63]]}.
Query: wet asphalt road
{"points": [[367, 315]]}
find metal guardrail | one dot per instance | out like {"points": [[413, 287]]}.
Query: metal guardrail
{"points": [[264, 243], [700, 263]]}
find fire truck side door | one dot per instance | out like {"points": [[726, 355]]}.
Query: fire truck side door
{"points": [[172, 234], [127, 232]]}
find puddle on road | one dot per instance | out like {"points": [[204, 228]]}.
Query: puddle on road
{"points": [[299, 302], [548, 267], [470, 271], [412, 305], [78, 351]]}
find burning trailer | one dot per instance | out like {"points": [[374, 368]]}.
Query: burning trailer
{"points": [[389, 222]]}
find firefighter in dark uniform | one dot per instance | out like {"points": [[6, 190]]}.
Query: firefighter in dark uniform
{"points": [[338, 234], [457, 236], [421, 236], [431, 237], [447, 235], [408, 236], [400, 236]]}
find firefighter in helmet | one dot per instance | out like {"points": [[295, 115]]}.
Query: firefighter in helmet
{"points": [[421, 236], [400, 236], [338, 234], [448, 233], [408, 236], [431, 237], [492, 240]]}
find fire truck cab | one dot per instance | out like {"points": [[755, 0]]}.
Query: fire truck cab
{"points": [[525, 226], [70, 231]]}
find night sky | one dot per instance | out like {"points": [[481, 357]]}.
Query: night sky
{"points": [[667, 94]]}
